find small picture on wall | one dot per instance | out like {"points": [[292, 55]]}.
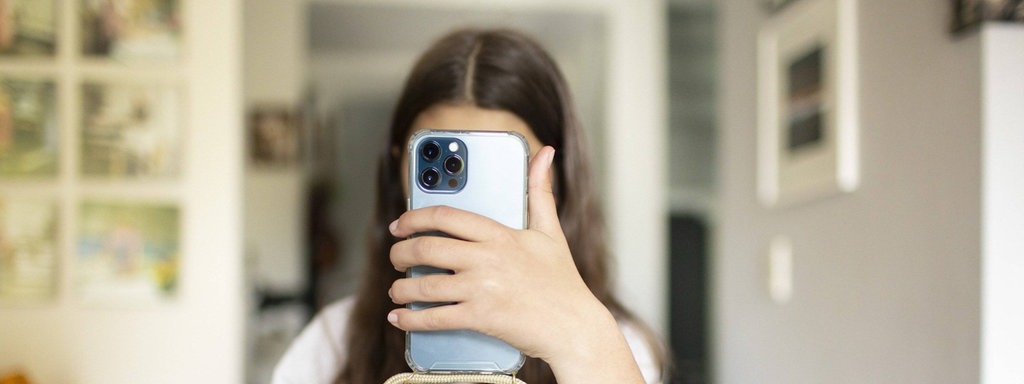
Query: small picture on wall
{"points": [[274, 136], [28, 249], [807, 103], [28, 127], [130, 130], [775, 5], [127, 252], [131, 29], [27, 28], [968, 14]]}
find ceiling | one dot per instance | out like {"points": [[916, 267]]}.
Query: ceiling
{"points": [[339, 27]]}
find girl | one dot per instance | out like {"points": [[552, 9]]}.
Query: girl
{"points": [[544, 290]]}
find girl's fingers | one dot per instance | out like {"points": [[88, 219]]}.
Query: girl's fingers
{"points": [[435, 251], [430, 288], [452, 221], [543, 213], [445, 317]]}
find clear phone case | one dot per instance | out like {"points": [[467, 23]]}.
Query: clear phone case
{"points": [[491, 182]]}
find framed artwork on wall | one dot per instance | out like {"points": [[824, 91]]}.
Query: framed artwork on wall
{"points": [[28, 249], [131, 29], [89, 119], [968, 14], [127, 252], [807, 103], [29, 128], [775, 5], [27, 28], [130, 130], [274, 136]]}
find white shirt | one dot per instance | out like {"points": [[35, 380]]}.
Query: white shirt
{"points": [[317, 355]]}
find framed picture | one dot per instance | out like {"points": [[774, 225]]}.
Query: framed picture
{"points": [[29, 129], [807, 103], [27, 28], [130, 130], [775, 5], [131, 29], [28, 249], [970, 13], [274, 137], [127, 252]]}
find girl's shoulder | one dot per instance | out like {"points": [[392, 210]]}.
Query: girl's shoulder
{"points": [[339, 310], [645, 348], [318, 353]]}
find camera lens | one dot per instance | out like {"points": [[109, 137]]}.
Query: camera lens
{"points": [[430, 151], [453, 165], [430, 177]]}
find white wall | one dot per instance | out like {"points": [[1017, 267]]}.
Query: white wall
{"points": [[1002, 342], [274, 215], [197, 337], [274, 76], [636, 178], [886, 279]]}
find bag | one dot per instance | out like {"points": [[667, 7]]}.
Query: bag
{"points": [[439, 378]]}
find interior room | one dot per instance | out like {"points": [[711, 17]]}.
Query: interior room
{"points": [[793, 191]]}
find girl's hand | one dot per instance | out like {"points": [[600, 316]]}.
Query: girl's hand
{"points": [[520, 286]]}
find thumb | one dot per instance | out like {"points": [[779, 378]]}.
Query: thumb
{"points": [[543, 213]]}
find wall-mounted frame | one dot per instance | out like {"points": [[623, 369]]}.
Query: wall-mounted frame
{"points": [[28, 28], [274, 136], [131, 129], [968, 14], [131, 29], [807, 103], [29, 249], [29, 128], [78, 117], [775, 5], [127, 252]]}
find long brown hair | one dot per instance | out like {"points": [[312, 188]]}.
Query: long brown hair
{"points": [[491, 69]]}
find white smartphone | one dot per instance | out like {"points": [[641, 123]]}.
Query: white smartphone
{"points": [[479, 171]]}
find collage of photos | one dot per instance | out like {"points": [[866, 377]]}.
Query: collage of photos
{"points": [[129, 130]]}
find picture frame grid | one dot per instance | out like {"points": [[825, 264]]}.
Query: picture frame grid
{"points": [[148, 59]]}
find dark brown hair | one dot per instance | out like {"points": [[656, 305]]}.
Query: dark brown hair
{"points": [[491, 69]]}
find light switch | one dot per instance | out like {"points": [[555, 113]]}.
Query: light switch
{"points": [[780, 269]]}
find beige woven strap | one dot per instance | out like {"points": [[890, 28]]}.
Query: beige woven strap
{"points": [[443, 378]]}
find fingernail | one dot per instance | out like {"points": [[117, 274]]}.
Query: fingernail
{"points": [[393, 318], [393, 226], [551, 157]]}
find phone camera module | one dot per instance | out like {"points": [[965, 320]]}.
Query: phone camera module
{"points": [[430, 151], [453, 165], [430, 177]]}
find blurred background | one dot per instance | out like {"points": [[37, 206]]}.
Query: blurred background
{"points": [[184, 183]]}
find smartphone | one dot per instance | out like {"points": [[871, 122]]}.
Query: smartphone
{"points": [[479, 171]]}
